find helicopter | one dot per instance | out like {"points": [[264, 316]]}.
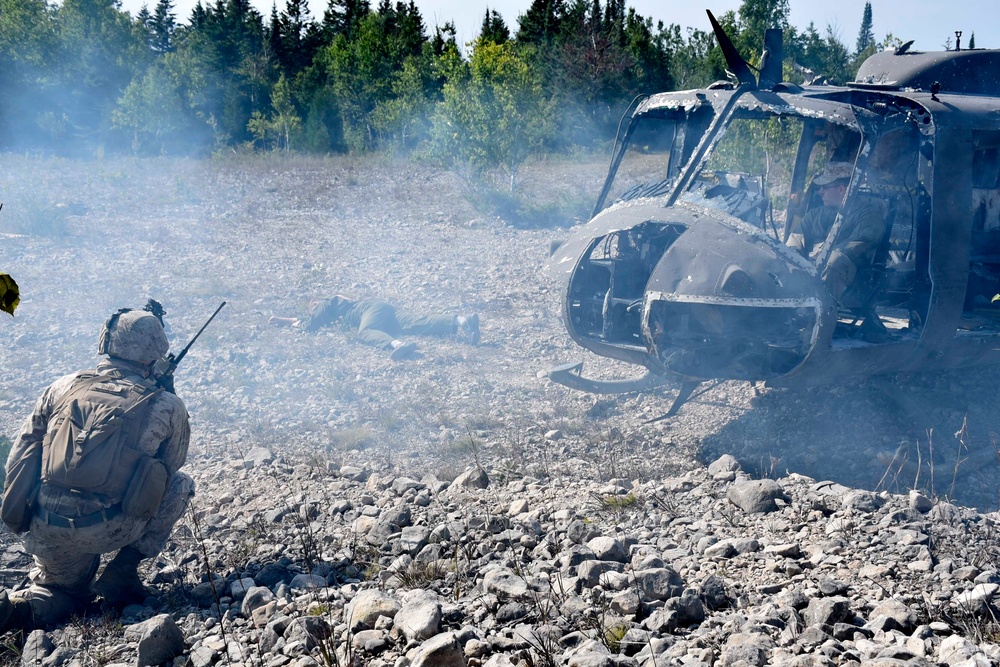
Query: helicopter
{"points": [[685, 270]]}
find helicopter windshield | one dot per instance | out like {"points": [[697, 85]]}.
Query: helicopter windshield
{"points": [[659, 145]]}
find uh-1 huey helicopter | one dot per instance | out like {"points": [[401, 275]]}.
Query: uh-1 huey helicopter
{"points": [[684, 267]]}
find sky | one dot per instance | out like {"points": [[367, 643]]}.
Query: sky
{"points": [[929, 22]]}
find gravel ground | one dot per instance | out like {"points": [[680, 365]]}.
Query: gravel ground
{"points": [[268, 234]]}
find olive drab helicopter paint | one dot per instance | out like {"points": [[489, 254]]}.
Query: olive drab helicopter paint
{"points": [[684, 268]]}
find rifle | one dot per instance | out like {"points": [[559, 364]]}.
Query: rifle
{"points": [[169, 365]]}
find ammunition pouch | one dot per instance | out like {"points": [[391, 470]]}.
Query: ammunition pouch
{"points": [[146, 489]]}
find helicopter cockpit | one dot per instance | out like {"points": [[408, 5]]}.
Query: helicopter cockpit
{"points": [[756, 171], [686, 269]]}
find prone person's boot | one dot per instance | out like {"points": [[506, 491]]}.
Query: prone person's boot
{"points": [[119, 584], [14, 614], [402, 350]]}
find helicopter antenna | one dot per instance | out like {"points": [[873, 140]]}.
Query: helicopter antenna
{"points": [[734, 61]]}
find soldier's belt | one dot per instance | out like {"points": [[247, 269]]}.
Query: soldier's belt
{"points": [[84, 521]]}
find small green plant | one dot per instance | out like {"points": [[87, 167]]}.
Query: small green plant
{"points": [[319, 609], [619, 503], [613, 634], [418, 574], [346, 439]]}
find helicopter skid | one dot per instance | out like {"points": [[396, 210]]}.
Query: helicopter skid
{"points": [[571, 375]]}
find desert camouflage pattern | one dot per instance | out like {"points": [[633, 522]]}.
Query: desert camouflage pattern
{"points": [[66, 559], [136, 336]]}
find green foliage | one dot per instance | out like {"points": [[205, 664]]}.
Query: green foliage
{"points": [[10, 297], [866, 37], [100, 50], [371, 70], [493, 29], [756, 16], [276, 129], [493, 116], [765, 147], [153, 111], [85, 76]]}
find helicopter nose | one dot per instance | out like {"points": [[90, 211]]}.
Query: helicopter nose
{"points": [[727, 301]]}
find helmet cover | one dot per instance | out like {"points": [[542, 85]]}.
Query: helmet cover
{"points": [[133, 335]]}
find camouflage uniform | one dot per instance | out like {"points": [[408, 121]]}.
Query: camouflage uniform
{"points": [[377, 322], [854, 247], [67, 558]]}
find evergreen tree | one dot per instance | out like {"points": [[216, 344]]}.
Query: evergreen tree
{"points": [[493, 28], [342, 17], [823, 55], [163, 26], [295, 42], [223, 66], [274, 34], [614, 20], [972, 40], [866, 36], [363, 72], [444, 39], [541, 23]]}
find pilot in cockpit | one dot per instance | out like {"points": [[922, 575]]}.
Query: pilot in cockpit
{"points": [[860, 234]]}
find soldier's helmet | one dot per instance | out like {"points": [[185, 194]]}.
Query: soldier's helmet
{"points": [[133, 335]]}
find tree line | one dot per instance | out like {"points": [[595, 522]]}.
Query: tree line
{"points": [[85, 77]]}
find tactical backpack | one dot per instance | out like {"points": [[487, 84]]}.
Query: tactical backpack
{"points": [[89, 445]]}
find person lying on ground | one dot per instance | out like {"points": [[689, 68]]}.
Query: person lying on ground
{"points": [[380, 324]]}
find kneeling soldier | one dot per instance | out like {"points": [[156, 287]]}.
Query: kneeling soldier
{"points": [[102, 451]]}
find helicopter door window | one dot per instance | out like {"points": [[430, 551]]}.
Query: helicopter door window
{"points": [[984, 275]]}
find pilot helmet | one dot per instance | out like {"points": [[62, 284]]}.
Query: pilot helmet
{"points": [[133, 335]]}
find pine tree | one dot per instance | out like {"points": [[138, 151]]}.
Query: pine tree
{"points": [[162, 26], [541, 23], [444, 38], [274, 35], [866, 36], [494, 29], [342, 17], [972, 41], [294, 24]]}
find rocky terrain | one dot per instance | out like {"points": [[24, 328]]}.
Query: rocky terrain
{"points": [[459, 509]]}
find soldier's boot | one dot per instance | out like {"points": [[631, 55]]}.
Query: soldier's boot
{"points": [[402, 350], [14, 614], [119, 584], [467, 328]]}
